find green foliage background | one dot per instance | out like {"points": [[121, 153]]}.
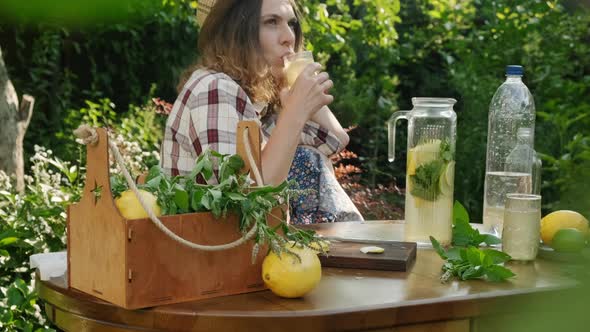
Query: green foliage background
{"points": [[124, 61], [380, 53]]}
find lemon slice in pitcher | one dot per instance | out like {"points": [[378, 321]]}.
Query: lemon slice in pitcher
{"points": [[426, 152], [422, 154], [411, 162], [446, 179]]}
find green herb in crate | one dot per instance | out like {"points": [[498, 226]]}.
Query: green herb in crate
{"points": [[233, 194]]}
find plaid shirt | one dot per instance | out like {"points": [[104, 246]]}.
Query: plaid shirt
{"points": [[206, 114]]}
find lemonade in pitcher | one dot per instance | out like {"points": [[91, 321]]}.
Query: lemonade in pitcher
{"points": [[429, 191], [430, 169]]}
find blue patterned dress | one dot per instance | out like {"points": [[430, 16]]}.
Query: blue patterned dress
{"points": [[326, 201]]}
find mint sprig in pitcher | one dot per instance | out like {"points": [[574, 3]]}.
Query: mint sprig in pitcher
{"points": [[430, 168]]}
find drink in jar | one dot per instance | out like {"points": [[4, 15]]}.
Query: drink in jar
{"points": [[521, 229], [429, 192], [294, 65]]}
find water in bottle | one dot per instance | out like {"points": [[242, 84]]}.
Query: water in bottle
{"points": [[512, 108]]}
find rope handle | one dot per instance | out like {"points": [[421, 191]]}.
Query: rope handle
{"points": [[87, 135]]}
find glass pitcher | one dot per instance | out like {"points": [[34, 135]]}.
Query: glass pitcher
{"points": [[430, 168]]}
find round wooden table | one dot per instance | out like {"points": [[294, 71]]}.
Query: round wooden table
{"points": [[345, 299]]}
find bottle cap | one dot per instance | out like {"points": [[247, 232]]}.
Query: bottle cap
{"points": [[514, 70]]}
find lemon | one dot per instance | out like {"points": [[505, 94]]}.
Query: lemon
{"points": [[419, 202], [446, 179], [411, 168], [372, 250], [289, 277], [568, 240], [557, 220], [450, 173], [130, 208], [426, 152]]}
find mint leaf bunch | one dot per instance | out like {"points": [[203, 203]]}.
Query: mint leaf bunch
{"points": [[118, 184], [465, 260], [463, 234], [472, 263], [425, 183]]}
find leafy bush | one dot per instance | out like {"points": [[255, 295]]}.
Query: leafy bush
{"points": [[357, 41], [31, 223], [35, 222], [379, 203], [124, 61], [137, 131], [381, 55], [552, 44], [459, 50]]}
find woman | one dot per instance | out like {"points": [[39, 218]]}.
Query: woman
{"points": [[242, 44]]}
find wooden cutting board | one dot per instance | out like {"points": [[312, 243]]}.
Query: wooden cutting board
{"points": [[397, 256]]}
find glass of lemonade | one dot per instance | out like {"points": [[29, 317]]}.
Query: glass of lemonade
{"points": [[521, 229], [295, 63]]}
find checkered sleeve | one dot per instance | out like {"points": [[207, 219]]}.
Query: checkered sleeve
{"points": [[312, 134], [321, 138], [205, 116]]}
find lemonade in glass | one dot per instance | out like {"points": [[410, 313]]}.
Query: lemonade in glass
{"points": [[294, 65]]}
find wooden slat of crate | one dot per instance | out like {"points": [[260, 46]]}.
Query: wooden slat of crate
{"points": [[163, 272], [96, 233]]}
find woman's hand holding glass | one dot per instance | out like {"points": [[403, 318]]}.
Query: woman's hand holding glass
{"points": [[309, 93]]}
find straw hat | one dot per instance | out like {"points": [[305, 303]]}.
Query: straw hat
{"points": [[203, 9]]}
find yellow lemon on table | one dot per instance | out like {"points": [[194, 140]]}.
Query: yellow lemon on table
{"points": [[289, 276], [130, 208], [557, 220]]}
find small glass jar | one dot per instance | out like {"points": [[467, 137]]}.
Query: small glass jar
{"points": [[521, 229]]}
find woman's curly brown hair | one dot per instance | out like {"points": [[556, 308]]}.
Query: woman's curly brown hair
{"points": [[229, 43]]}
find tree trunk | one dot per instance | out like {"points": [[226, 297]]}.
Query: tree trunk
{"points": [[14, 121]]}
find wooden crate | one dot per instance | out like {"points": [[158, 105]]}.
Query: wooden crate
{"points": [[133, 264]]}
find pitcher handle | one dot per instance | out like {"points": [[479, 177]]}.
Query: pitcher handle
{"points": [[391, 131]]}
